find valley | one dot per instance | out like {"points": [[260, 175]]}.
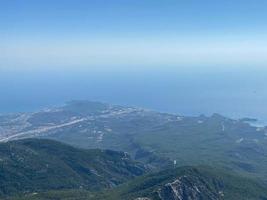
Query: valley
{"points": [[128, 153], [40, 169], [151, 137]]}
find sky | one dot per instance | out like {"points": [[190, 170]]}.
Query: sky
{"points": [[126, 34], [185, 56]]}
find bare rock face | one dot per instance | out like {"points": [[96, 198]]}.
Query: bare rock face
{"points": [[189, 188]]}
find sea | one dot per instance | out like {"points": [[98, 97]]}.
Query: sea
{"points": [[234, 92]]}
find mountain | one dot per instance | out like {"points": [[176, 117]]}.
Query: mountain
{"points": [[183, 183], [191, 183], [34, 165], [41, 169], [148, 136]]}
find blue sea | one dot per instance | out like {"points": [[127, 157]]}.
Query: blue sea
{"points": [[233, 92]]}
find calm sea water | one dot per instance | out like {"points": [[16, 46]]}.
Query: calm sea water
{"points": [[234, 93]]}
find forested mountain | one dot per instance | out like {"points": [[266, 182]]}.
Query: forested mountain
{"points": [[34, 165], [148, 136]]}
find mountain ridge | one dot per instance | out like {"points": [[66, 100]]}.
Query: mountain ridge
{"points": [[157, 139], [33, 165], [182, 183]]}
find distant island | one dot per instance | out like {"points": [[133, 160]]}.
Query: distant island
{"points": [[247, 119]]}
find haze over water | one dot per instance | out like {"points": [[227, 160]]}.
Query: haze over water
{"points": [[234, 93], [187, 57]]}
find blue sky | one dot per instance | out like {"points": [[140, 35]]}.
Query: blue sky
{"points": [[107, 33]]}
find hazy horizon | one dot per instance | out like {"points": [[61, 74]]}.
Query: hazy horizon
{"points": [[228, 92], [96, 33], [187, 57]]}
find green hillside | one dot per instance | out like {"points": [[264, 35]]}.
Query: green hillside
{"points": [[34, 165], [197, 183], [148, 136]]}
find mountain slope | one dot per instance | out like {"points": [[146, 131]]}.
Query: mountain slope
{"points": [[151, 137], [34, 165], [184, 183], [190, 183]]}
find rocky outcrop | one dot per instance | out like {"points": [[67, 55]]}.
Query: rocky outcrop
{"points": [[189, 188]]}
